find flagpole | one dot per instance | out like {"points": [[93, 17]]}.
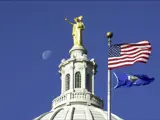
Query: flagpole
{"points": [[109, 36]]}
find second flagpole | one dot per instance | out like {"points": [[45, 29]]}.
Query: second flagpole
{"points": [[109, 36]]}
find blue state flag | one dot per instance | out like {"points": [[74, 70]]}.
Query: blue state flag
{"points": [[129, 80]]}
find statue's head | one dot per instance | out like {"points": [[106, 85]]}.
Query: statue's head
{"points": [[80, 18]]}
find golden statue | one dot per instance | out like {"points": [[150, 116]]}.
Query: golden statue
{"points": [[78, 26]]}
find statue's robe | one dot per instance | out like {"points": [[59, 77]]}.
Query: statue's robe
{"points": [[77, 33]]}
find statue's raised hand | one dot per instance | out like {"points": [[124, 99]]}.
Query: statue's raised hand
{"points": [[65, 19]]}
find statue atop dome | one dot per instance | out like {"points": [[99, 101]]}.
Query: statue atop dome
{"points": [[78, 27]]}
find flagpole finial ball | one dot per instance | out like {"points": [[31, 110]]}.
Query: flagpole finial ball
{"points": [[109, 34]]}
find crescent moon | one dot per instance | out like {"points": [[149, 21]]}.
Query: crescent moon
{"points": [[46, 54]]}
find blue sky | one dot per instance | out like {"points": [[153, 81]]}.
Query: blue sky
{"points": [[28, 84]]}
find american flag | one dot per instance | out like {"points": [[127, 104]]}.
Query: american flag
{"points": [[127, 54]]}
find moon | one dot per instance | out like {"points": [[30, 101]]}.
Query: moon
{"points": [[46, 54]]}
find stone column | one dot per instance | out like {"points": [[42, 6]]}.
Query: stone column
{"points": [[63, 81], [84, 76], [72, 77], [61, 85], [92, 82]]}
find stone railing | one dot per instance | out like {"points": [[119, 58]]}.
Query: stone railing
{"points": [[77, 97]]}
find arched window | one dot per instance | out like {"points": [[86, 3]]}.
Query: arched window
{"points": [[89, 83], [67, 82], [77, 80]]}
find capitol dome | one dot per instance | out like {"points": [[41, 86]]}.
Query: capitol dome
{"points": [[77, 112], [77, 100]]}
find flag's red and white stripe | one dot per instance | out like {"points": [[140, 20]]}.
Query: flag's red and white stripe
{"points": [[131, 53]]}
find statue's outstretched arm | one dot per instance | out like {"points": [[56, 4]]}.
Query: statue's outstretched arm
{"points": [[68, 21]]}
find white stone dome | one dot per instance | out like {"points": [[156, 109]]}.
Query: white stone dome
{"points": [[77, 106], [77, 112]]}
